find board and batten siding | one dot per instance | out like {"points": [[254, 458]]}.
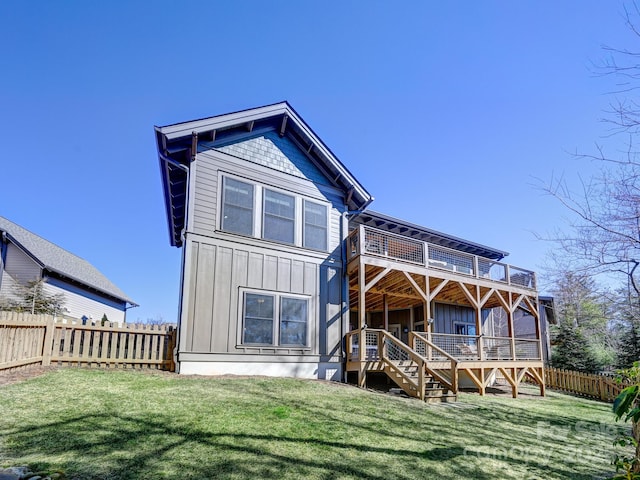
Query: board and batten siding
{"points": [[220, 270], [446, 316], [285, 174]]}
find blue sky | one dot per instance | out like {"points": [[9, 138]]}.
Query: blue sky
{"points": [[447, 112]]}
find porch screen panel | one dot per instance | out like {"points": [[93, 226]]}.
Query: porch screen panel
{"points": [[293, 321], [315, 226], [237, 207], [279, 217], [258, 319]]}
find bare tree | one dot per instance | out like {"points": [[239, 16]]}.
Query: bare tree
{"points": [[605, 231]]}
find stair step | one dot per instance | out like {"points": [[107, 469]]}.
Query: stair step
{"points": [[449, 398]]}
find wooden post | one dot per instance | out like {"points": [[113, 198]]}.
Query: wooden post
{"points": [[385, 309], [47, 343], [362, 374], [421, 386], [478, 312], [511, 329]]}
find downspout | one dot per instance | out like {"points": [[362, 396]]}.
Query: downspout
{"points": [[344, 291]]}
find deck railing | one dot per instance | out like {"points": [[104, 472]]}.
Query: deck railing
{"points": [[447, 346], [371, 241], [380, 345], [482, 347]]}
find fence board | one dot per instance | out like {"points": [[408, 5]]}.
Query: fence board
{"points": [[599, 387], [29, 339]]}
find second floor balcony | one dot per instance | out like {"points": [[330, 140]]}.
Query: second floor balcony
{"points": [[365, 240]]}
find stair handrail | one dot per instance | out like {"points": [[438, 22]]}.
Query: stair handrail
{"points": [[413, 355], [453, 384], [424, 363]]}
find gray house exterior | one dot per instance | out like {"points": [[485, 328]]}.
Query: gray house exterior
{"points": [[258, 203], [286, 272], [27, 257]]}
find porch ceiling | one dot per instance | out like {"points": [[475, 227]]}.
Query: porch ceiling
{"points": [[401, 293]]}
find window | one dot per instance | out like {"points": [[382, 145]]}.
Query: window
{"points": [[315, 226], [267, 317], [251, 209], [237, 207], [465, 329], [279, 217], [468, 329], [293, 321], [258, 318]]}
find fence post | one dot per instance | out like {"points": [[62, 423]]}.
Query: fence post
{"points": [[47, 343]]}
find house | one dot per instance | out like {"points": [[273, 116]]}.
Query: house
{"points": [[25, 257], [287, 272]]}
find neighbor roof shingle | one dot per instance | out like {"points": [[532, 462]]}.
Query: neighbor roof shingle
{"points": [[56, 259]]}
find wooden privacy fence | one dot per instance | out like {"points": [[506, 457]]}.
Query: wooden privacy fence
{"points": [[600, 387], [43, 340]]}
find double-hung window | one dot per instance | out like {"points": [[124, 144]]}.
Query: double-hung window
{"points": [[274, 319], [315, 226], [237, 206], [293, 321], [258, 318], [279, 219], [251, 209]]}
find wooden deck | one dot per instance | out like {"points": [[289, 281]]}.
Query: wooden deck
{"points": [[414, 366], [388, 272]]}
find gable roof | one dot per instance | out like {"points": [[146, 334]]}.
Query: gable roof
{"points": [[178, 143], [402, 227], [55, 259]]}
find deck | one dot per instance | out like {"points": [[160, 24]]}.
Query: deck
{"points": [[388, 271], [511, 359]]}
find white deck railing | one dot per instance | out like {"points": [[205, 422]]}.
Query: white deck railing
{"points": [[405, 249]]}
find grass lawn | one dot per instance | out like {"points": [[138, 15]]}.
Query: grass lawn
{"points": [[97, 424]]}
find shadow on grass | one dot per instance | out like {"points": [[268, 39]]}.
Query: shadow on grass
{"points": [[129, 447], [203, 435], [545, 444]]}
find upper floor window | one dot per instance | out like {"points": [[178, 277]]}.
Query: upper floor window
{"points": [[315, 225], [251, 209], [237, 206], [279, 217]]}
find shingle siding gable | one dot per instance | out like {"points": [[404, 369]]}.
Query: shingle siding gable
{"points": [[279, 153]]}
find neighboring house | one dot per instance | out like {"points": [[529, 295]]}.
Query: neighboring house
{"points": [[26, 257], [284, 266]]}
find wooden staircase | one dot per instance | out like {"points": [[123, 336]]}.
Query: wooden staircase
{"points": [[410, 370], [406, 374]]}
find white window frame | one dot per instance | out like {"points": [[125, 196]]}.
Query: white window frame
{"points": [[266, 189], [258, 212], [326, 227], [253, 207], [277, 320]]}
